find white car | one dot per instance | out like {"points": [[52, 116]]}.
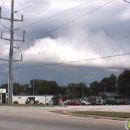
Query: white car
{"points": [[66, 102], [50, 102], [84, 102]]}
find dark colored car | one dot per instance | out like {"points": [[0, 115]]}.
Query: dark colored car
{"points": [[110, 101], [74, 102], [114, 101]]}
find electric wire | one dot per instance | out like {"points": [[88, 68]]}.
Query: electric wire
{"points": [[4, 25], [30, 5], [76, 61], [68, 23], [54, 15]]}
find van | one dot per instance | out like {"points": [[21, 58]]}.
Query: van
{"points": [[94, 100]]}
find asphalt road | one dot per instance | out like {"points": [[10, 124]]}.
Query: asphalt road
{"points": [[33, 118]]}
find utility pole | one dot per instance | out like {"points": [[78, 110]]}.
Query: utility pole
{"points": [[11, 55], [33, 87]]}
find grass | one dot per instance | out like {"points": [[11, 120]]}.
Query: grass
{"points": [[104, 114]]}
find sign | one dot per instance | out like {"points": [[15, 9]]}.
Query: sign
{"points": [[2, 90]]}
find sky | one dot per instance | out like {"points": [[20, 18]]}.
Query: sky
{"points": [[67, 40]]}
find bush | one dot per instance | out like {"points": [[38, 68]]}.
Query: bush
{"points": [[27, 102], [16, 102], [36, 102], [41, 103]]}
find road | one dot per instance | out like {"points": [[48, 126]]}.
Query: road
{"points": [[33, 118]]}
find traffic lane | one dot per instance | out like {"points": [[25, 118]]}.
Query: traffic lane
{"points": [[55, 122]]}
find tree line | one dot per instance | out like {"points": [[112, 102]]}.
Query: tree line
{"points": [[120, 84]]}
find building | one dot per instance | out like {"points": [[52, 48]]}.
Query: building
{"points": [[39, 99]]}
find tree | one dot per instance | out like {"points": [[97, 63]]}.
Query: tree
{"points": [[94, 88], [41, 87], [124, 83], [108, 84], [81, 88], [72, 88], [17, 89]]}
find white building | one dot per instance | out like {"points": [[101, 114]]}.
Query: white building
{"points": [[32, 98]]}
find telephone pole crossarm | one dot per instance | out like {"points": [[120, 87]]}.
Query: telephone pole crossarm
{"points": [[3, 17]]}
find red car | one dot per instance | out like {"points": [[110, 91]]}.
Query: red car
{"points": [[74, 102], [126, 102]]}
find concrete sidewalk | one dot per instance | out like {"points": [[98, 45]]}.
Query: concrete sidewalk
{"points": [[112, 108]]}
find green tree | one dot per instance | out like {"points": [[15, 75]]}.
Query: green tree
{"points": [[73, 93], [41, 87], [17, 89], [108, 84], [124, 83], [81, 88], [94, 88]]}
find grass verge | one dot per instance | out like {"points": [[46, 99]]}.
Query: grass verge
{"points": [[103, 114]]}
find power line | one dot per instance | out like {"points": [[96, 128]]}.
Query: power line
{"points": [[70, 62], [30, 5], [4, 25], [54, 15], [69, 22], [3, 3], [35, 4]]}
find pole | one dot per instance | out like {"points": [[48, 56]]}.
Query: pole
{"points": [[33, 87], [11, 54], [11, 58]]}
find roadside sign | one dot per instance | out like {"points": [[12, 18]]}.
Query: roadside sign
{"points": [[2, 90]]}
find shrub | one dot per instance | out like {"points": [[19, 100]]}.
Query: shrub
{"points": [[41, 103], [16, 102], [27, 102], [36, 102]]}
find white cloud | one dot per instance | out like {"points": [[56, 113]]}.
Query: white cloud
{"points": [[77, 47]]}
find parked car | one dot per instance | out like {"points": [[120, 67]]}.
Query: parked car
{"points": [[84, 102], [119, 101], [95, 100], [74, 102], [126, 102], [116, 101], [50, 102], [66, 102], [110, 101]]}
